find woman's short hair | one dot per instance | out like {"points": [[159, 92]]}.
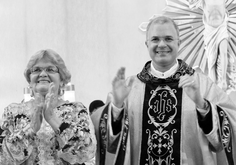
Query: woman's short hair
{"points": [[55, 58]]}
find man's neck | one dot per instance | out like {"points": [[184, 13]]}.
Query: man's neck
{"points": [[164, 68], [163, 73]]}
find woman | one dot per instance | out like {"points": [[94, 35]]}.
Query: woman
{"points": [[47, 130]]}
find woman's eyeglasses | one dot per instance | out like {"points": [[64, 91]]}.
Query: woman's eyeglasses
{"points": [[50, 70]]}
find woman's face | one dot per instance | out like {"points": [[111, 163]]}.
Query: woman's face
{"points": [[42, 74]]}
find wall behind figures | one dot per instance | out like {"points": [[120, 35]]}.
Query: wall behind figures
{"points": [[95, 38]]}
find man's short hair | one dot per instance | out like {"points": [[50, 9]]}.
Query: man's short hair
{"points": [[162, 20]]}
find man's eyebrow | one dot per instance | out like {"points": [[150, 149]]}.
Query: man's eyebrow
{"points": [[169, 36], [162, 36]]}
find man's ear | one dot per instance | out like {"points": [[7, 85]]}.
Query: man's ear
{"points": [[146, 44], [179, 42]]}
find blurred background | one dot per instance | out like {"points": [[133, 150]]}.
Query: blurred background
{"points": [[94, 37]]}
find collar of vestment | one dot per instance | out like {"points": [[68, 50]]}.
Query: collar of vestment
{"points": [[146, 77], [165, 74]]}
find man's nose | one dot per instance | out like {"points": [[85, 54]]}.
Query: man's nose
{"points": [[162, 43]]}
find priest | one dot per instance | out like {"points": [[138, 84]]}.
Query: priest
{"points": [[168, 114]]}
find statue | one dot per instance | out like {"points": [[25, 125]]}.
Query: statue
{"points": [[215, 19]]}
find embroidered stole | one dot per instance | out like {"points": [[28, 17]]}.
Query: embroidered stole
{"points": [[161, 134], [121, 149]]}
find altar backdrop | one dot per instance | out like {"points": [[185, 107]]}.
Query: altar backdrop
{"points": [[94, 37]]}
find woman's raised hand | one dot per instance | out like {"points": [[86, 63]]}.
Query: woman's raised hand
{"points": [[51, 102], [37, 115]]}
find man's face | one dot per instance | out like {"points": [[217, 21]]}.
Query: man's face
{"points": [[163, 44]]}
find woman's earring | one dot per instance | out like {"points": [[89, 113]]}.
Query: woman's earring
{"points": [[61, 92], [31, 92], [28, 94]]}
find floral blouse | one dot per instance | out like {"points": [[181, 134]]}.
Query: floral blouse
{"points": [[74, 144]]}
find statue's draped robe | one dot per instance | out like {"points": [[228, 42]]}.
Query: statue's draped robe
{"points": [[213, 36]]}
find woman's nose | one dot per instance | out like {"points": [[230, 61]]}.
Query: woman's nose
{"points": [[43, 73]]}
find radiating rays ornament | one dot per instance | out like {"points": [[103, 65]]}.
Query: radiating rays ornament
{"points": [[200, 42]]}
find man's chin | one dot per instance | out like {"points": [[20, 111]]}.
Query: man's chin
{"points": [[162, 60]]}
